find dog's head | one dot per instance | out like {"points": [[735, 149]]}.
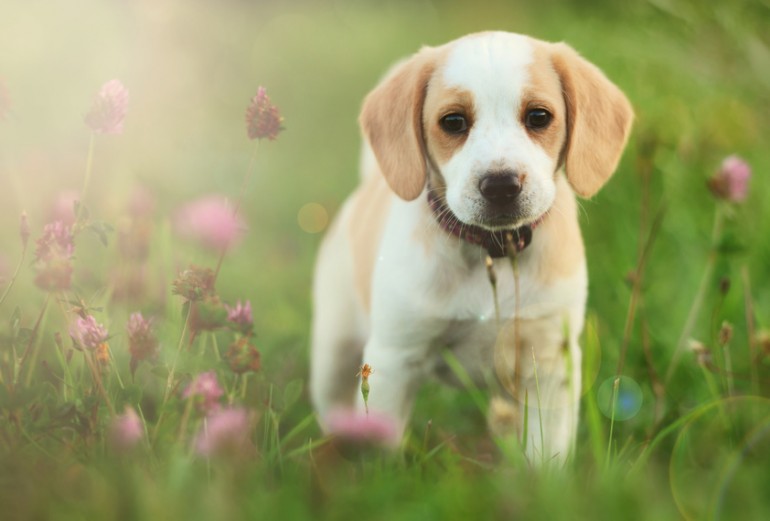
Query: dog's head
{"points": [[490, 119]]}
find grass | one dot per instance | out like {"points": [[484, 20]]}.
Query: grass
{"points": [[698, 75]]}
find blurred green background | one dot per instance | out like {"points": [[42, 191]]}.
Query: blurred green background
{"points": [[697, 73]]}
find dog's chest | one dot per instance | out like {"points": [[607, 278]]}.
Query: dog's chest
{"points": [[468, 342]]}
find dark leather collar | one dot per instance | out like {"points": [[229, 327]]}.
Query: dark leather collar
{"points": [[494, 242]]}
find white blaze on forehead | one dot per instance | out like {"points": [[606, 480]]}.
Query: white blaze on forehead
{"points": [[490, 65], [494, 69]]}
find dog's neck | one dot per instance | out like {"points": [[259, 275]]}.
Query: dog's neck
{"points": [[496, 243]]}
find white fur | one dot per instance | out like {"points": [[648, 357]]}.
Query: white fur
{"points": [[494, 67], [426, 300]]}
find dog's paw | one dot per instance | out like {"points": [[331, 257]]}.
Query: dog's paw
{"points": [[503, 417]]}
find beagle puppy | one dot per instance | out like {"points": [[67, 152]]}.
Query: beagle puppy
{"points": [[474, 152]]}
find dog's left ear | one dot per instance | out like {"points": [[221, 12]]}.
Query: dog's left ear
{"points": [[599, 118], [391, 119]]}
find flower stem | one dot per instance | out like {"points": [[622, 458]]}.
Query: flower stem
{"points": [[15, 274], [539, 408], [238, 203], [87, 178], [750, 327], [728, 361], [170, 379], [697, 303], [30, 353], [98, 381], [492, 276], [171, 372], [613, 406], [513, 255]]}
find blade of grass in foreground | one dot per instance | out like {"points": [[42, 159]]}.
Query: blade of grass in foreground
{"points": [[591, 361], [465, 379]]}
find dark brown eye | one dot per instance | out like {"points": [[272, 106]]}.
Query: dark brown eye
{"points": [[537, 119], [454, 124]]}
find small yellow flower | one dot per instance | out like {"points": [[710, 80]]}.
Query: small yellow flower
{"points": [[365, 371]]}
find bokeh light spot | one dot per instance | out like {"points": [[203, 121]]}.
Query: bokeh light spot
{"points": [[628, 398], [313, 218]]}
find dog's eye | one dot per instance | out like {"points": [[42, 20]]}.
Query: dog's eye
{"points": [[537, 119], [454, 124]]}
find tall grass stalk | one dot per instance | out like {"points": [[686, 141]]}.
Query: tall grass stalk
{"points": [[16, 270], [171, 373], [29, 357], [591, 363], [238, 203], [514, 386], [748, 305], [492, 276], [97, 379], [700, 295], [539, 407], [87, 176], [613, 407]]}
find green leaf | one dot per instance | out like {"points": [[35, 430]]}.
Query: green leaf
{"points": [[24, 336], [81, 211], [101, 230], [731, 244], [291, 393]]}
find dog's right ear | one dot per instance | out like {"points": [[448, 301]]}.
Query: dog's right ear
{"points": [[599, 118], [391, 119]]}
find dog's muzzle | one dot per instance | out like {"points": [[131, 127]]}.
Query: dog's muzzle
{"points": [[497, 243]]}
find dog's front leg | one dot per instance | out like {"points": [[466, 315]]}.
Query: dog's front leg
{"points": [[398, 370], [538, 364]]}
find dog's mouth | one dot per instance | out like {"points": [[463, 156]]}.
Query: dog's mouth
{"points": [[496, 221], [495, 231]]}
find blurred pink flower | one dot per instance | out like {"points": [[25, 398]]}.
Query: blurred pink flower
{"points": [[109, 109], [359, 428], [88, 333], [205, 390], [5, 101], [57, 241], [126, 430], [263, 119], [63, 207], [242, 356], [141, 203], [240, 316], [210, 221], [225, 432], [731, 182], [142, 342], [53, 254]]}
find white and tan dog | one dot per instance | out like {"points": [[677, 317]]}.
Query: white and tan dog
{"points": [[488, 135]]}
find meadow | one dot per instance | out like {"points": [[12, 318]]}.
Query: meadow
{"points": [[198, 407]]}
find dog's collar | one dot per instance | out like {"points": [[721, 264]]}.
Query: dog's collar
{"points": [[494, 242]]}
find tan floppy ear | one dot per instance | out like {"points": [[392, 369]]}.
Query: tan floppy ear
{"points": [[599, 118], [391, 119]]}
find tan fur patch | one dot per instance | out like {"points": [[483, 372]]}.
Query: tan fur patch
{"points": [[439, 102], [391, 119], [562, 251], [543, 91], [370, 205], [599, 118]]}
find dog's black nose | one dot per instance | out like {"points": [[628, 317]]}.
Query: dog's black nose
{"points": [[500, 188]]}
